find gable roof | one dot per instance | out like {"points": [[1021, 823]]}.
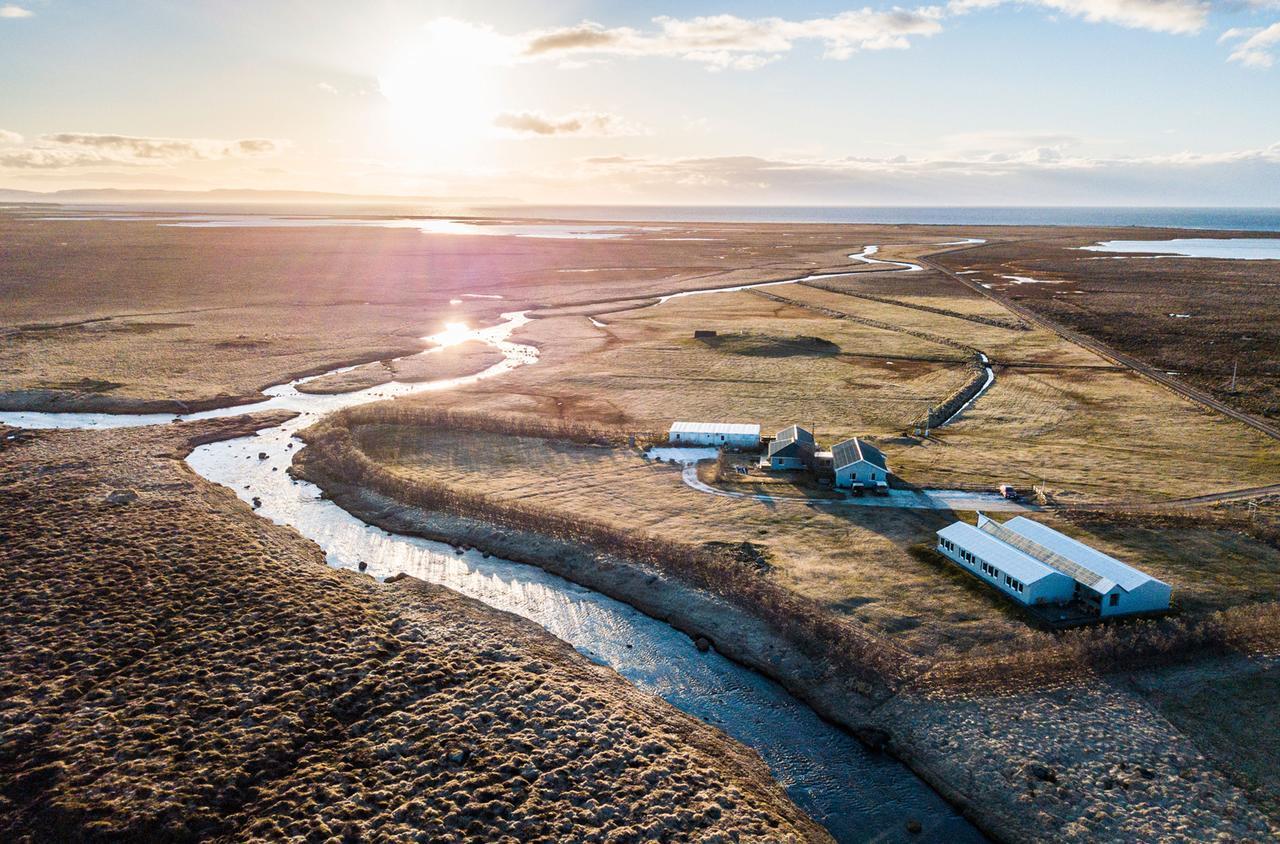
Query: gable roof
{"points": [[1100, 571], [855, 450], [795, 432], [790, 448], [1007, 559]]}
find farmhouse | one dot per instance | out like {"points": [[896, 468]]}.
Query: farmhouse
{"points": [[792, 448], [725, 434], [857, 463], [1035, 564]]}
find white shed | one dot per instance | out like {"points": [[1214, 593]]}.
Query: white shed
{"points": [[1113, 587], [1036, 564], [1016, 574], [724, 434]]}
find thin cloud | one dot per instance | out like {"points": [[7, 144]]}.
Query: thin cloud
{"points": [[82, 149], [12, 11], [580, 124], [1179, 17], [1257, 45], [728, 41], [731, 42], [143, 148], [1053, 175]]}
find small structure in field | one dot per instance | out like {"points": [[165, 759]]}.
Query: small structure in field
{"points": [[724, 434], [1035, 564], [859, 464], [703, 334], [792, 448]]}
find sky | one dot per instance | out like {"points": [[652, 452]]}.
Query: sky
{"points": [[950, 102]]}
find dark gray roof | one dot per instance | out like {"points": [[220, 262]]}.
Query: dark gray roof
{"points": [[790, 448], [851, 451], [795, 432]]}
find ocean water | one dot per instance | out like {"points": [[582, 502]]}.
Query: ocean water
{"points": [[1218, 219], [1222, 219], [1240, 249]]}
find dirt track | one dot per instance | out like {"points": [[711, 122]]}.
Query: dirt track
{"points": [[1102, 349]]}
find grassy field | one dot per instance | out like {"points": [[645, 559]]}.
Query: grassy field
{"points": [[1230, 713], [859, 561], [178, 669], [102, 314], [1232, 308], [1056, 415]]}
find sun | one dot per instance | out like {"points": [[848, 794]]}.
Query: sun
{"points": [[444, 89]]}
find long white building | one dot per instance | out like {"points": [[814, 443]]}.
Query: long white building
{"points": [[724, 434], [1035, 564]]}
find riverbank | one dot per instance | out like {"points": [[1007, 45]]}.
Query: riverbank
{"points": [[1080, 759], [183, 669]]}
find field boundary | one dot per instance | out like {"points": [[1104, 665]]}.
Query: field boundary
{"points": [[1101, 349]]}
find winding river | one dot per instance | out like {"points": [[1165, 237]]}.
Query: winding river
{"points": [[856, 795]]}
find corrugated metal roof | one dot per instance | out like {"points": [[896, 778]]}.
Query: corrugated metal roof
{"points": [[1007, 559], [851, 451], [1034, 549], [1108, 569], [715, 428]]}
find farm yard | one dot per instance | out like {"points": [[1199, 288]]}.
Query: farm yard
{"points": [[850, 606]]}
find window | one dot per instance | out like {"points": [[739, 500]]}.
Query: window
{"points": [[1115, 599]]}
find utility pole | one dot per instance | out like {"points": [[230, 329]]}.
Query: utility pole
{"points": [[1235, 367]]}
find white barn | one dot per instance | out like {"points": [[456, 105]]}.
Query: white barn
{"points": [[1035, 564], [724, 434], [857, 463]]}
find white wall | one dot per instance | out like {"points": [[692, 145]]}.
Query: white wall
{"points": [[1053, 588], [729, 440], [1151, 596]]}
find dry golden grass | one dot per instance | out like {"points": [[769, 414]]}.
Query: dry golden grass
{"points": [[133, 316], [1230, 713], [1092, 435], [178, 669], [856, 560]]}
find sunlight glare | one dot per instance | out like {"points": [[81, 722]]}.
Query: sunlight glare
{"points": [[443, 91], [453, 334]]}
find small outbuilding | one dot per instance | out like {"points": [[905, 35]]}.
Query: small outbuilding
{"points": [[792, 448], [1035, 564], [859, 464], [722, 434]]}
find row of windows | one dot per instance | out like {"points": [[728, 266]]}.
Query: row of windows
{"points": [[987, 569]]}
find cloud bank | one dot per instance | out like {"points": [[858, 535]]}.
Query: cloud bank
{"points": [[730, 42], [84, 149]]}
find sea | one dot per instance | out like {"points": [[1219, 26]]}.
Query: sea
{"points": [[1208, 218], [1224, 219]]}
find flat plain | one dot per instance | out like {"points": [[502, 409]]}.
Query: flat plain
{"points": [[133, 316]]}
